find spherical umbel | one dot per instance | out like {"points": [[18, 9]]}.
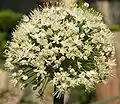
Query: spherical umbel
{"points": [[64, 46]]}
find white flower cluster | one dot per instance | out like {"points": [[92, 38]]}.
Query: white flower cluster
{"points": [[67, 46]]}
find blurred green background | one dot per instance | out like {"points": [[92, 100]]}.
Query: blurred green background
{"points": [[11, 12], [8, 21]]}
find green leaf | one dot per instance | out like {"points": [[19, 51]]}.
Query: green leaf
{"points": [[30, 80]]}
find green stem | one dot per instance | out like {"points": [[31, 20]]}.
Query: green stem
{"points": [[41, 91]]}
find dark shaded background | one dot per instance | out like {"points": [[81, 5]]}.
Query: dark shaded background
{"points": [[21, 6], [111, 10]]}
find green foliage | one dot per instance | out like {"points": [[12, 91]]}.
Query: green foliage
{"points": [[80, 96], [115, 27], [79, 2], [8, 20], [3, 40]]}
